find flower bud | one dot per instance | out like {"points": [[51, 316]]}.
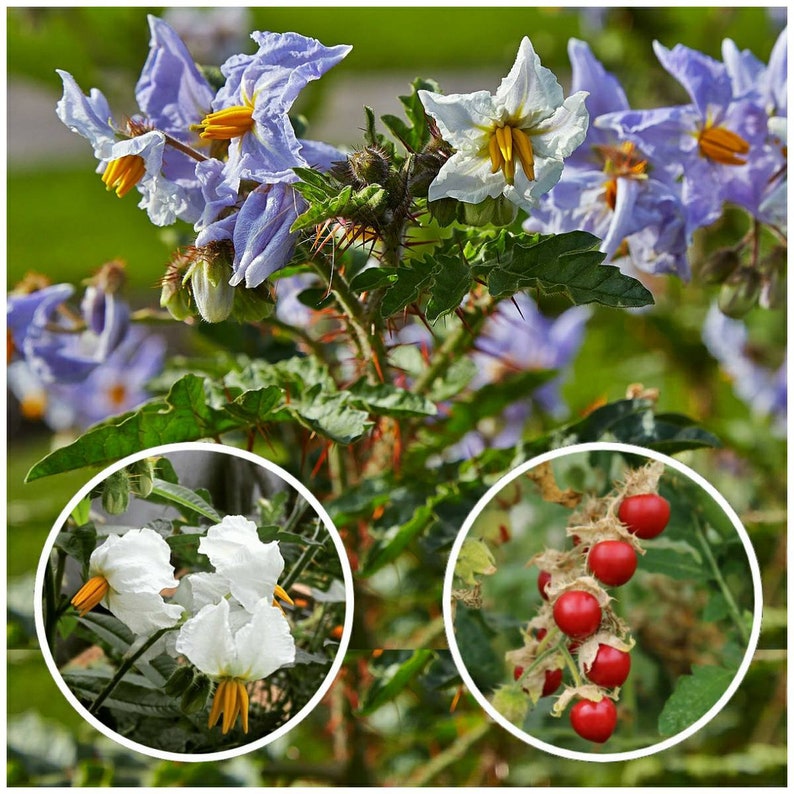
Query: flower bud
{"points": [[194, 698], [209, 280], [179, 680], [142, 476], [116, 492], [252, 304], [174, 295], [739, 293], [369, 166], [444, 211], [718, 266], [497, 211]]}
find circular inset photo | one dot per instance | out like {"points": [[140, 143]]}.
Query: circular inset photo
{"points": [[194, 602], [602, 602]]}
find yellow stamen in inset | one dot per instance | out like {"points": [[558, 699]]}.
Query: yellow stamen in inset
{"points": [[280, 592], [123, 173], [90, 594], [722, 146], [217, 703], [228, 123], [506, 145], [231, 700]]}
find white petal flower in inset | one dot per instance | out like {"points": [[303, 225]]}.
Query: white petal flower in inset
{"points": [[127, 574], [235, 653], [511, 143], [250, 567]]}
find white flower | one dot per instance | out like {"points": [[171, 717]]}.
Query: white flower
{"points": [[249, 567], [234, 648], [126, 574], [511, 143]]}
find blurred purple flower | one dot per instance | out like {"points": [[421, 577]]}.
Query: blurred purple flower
{"points": [[763, 389], [114, 387]]}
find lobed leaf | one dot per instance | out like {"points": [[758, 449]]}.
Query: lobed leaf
{"points": [[693, 696]]}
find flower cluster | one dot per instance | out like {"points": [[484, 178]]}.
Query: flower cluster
{"points": [[645, 180], [220, 617], [220, 157], [74, 366]]}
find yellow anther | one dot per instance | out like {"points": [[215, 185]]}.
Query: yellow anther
{"points": [[494, 154], [230, 700], [504, 138], [123, 173], [281, 593], [33, 406], [722, 146], [228, 123], [523, 148], [90, 594]]}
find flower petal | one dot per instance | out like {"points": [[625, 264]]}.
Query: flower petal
{"points": [[143, 612], [467, 179], [206, 639], [463, 119], [257, 658]]}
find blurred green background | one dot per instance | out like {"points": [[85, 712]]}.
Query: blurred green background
{"points": [[61, 221]]}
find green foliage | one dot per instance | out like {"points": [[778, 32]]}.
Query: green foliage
{"points": [[693, 696]]}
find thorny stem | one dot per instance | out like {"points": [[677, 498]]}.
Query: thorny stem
{"points": [[370, 345], [125, 666], [733, 607]]}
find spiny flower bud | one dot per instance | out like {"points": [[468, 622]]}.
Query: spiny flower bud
{"points": [[368, 166], [116, 492], [209, 281], [719, 266], [174, 295], [195, 696], [142, 476], [739, 293], [179, 680]]}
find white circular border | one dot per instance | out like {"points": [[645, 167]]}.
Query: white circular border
{"points": [[573, 754], [199, 446]]}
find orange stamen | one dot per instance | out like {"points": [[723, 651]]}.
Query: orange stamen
{"points": [[90, 594]]}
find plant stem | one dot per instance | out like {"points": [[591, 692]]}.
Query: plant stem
{"points": [[733, 607], [456, 343], [125, 666], [50, 608], [305, 558], [370, 345], [571, 665]]}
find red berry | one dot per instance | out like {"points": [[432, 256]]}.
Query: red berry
{"points": [[517, 673], [612, 562], [544, 577], [577, 614], [552, 682], [645, 514], [594, 721], [610, 667], [540, 634]]}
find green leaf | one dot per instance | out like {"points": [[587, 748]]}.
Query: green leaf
{"points": [[384, 399], [184, 497], [373, 278], [564, 263], [183, 416], [412, 279], [416, 134], [692, 697], [679, 561], [109, 629], [386, 689], [451, 283], [82, 511], [78, 543], [134, 694]]}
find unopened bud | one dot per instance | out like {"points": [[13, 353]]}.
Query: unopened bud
{"points": [[209, 282], [194, 698], [496, 211], [739, 293], [179, 680], [718, 266], [116, 492], [370, 166], [142, 476], [444, 211], [174, 295], [252, 304]]}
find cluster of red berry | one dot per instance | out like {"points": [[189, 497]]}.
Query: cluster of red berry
{"points": [[604, 553]]}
